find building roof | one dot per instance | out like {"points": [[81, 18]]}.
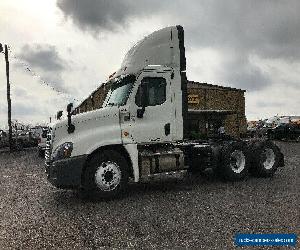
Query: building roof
{"points": [[211, 111], [206, 85]]}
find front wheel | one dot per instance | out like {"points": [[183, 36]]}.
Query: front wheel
{"points": [[106, 174]]}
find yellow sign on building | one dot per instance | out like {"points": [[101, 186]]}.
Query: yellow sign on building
{"points": [[193, 99]]}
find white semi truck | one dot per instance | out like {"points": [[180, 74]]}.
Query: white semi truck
{"points": [[141, 130]]}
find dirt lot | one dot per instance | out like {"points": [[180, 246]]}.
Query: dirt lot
{"points": [[179, 212]]}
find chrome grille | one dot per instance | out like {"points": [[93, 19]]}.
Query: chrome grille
{"points": [[48, 146]]}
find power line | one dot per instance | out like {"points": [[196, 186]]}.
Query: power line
{"points": [[28, 69]]}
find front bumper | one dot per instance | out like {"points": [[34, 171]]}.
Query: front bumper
{"points": [[66, 173]]}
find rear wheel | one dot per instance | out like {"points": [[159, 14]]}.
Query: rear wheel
{"points": [[271, 135], [266, 158], [41, 153], [19, 145], [233, 164], [106, 174]]}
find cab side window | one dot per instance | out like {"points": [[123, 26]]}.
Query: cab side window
{"points": [[151, 92]]}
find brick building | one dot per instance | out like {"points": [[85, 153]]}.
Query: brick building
{"points": [[220, 106], [94, 100]]}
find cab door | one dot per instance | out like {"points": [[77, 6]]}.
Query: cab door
{"points": [[151, 109]]}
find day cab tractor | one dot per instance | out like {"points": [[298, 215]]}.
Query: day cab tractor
{"points": [[142, 129]]}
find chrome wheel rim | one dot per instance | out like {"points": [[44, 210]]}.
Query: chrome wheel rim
{"points": [[237, 161], [269, 158], [108, 176]]}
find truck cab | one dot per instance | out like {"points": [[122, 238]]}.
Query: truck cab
{"points": [[141, 129], [147, 103]]}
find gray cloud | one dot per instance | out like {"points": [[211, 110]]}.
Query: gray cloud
{"points": [[47, 60], [266, 28], [24, 109], [240, 29], [269, 104], [240, 72], [270, 27], [20, 92], [97, 15], [45, 57], [3, 109]]}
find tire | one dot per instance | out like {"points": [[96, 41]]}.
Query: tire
{"points": [[199, 166], [195, 167], [234, 162], [106, 175], [271, 135], [197, 172], [41, 153], [19, 145], [265, 159]]}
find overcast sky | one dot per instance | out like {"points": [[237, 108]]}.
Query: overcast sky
{"points": [[75, 45]]}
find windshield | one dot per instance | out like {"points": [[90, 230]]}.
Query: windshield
{"points": [[120, 90]]}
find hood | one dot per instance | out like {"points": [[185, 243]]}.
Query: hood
{"points": [[105, 113], [87, 126]]}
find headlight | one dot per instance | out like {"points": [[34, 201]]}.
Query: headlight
{"points": [[63, 151]]}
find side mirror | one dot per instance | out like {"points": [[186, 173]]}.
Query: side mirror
{"points": [[69, 107], [71, 127], [59, 115]]}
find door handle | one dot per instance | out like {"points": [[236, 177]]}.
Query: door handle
{"points": [[167, 128], [140, 112]]}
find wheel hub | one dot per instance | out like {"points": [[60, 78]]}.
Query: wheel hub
{"points": [[237, 161], [268, 158], [108, 176]]}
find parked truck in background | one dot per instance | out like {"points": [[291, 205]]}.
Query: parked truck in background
{"points": [[142, 129], [42, 138], [285, 131]]}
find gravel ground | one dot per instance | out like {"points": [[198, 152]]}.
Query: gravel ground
{"points": [[177, 212]]}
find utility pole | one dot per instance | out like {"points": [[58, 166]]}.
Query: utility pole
{"points": [[8, 95]]}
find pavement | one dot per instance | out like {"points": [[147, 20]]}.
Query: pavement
{"points": [[175, 212]]}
